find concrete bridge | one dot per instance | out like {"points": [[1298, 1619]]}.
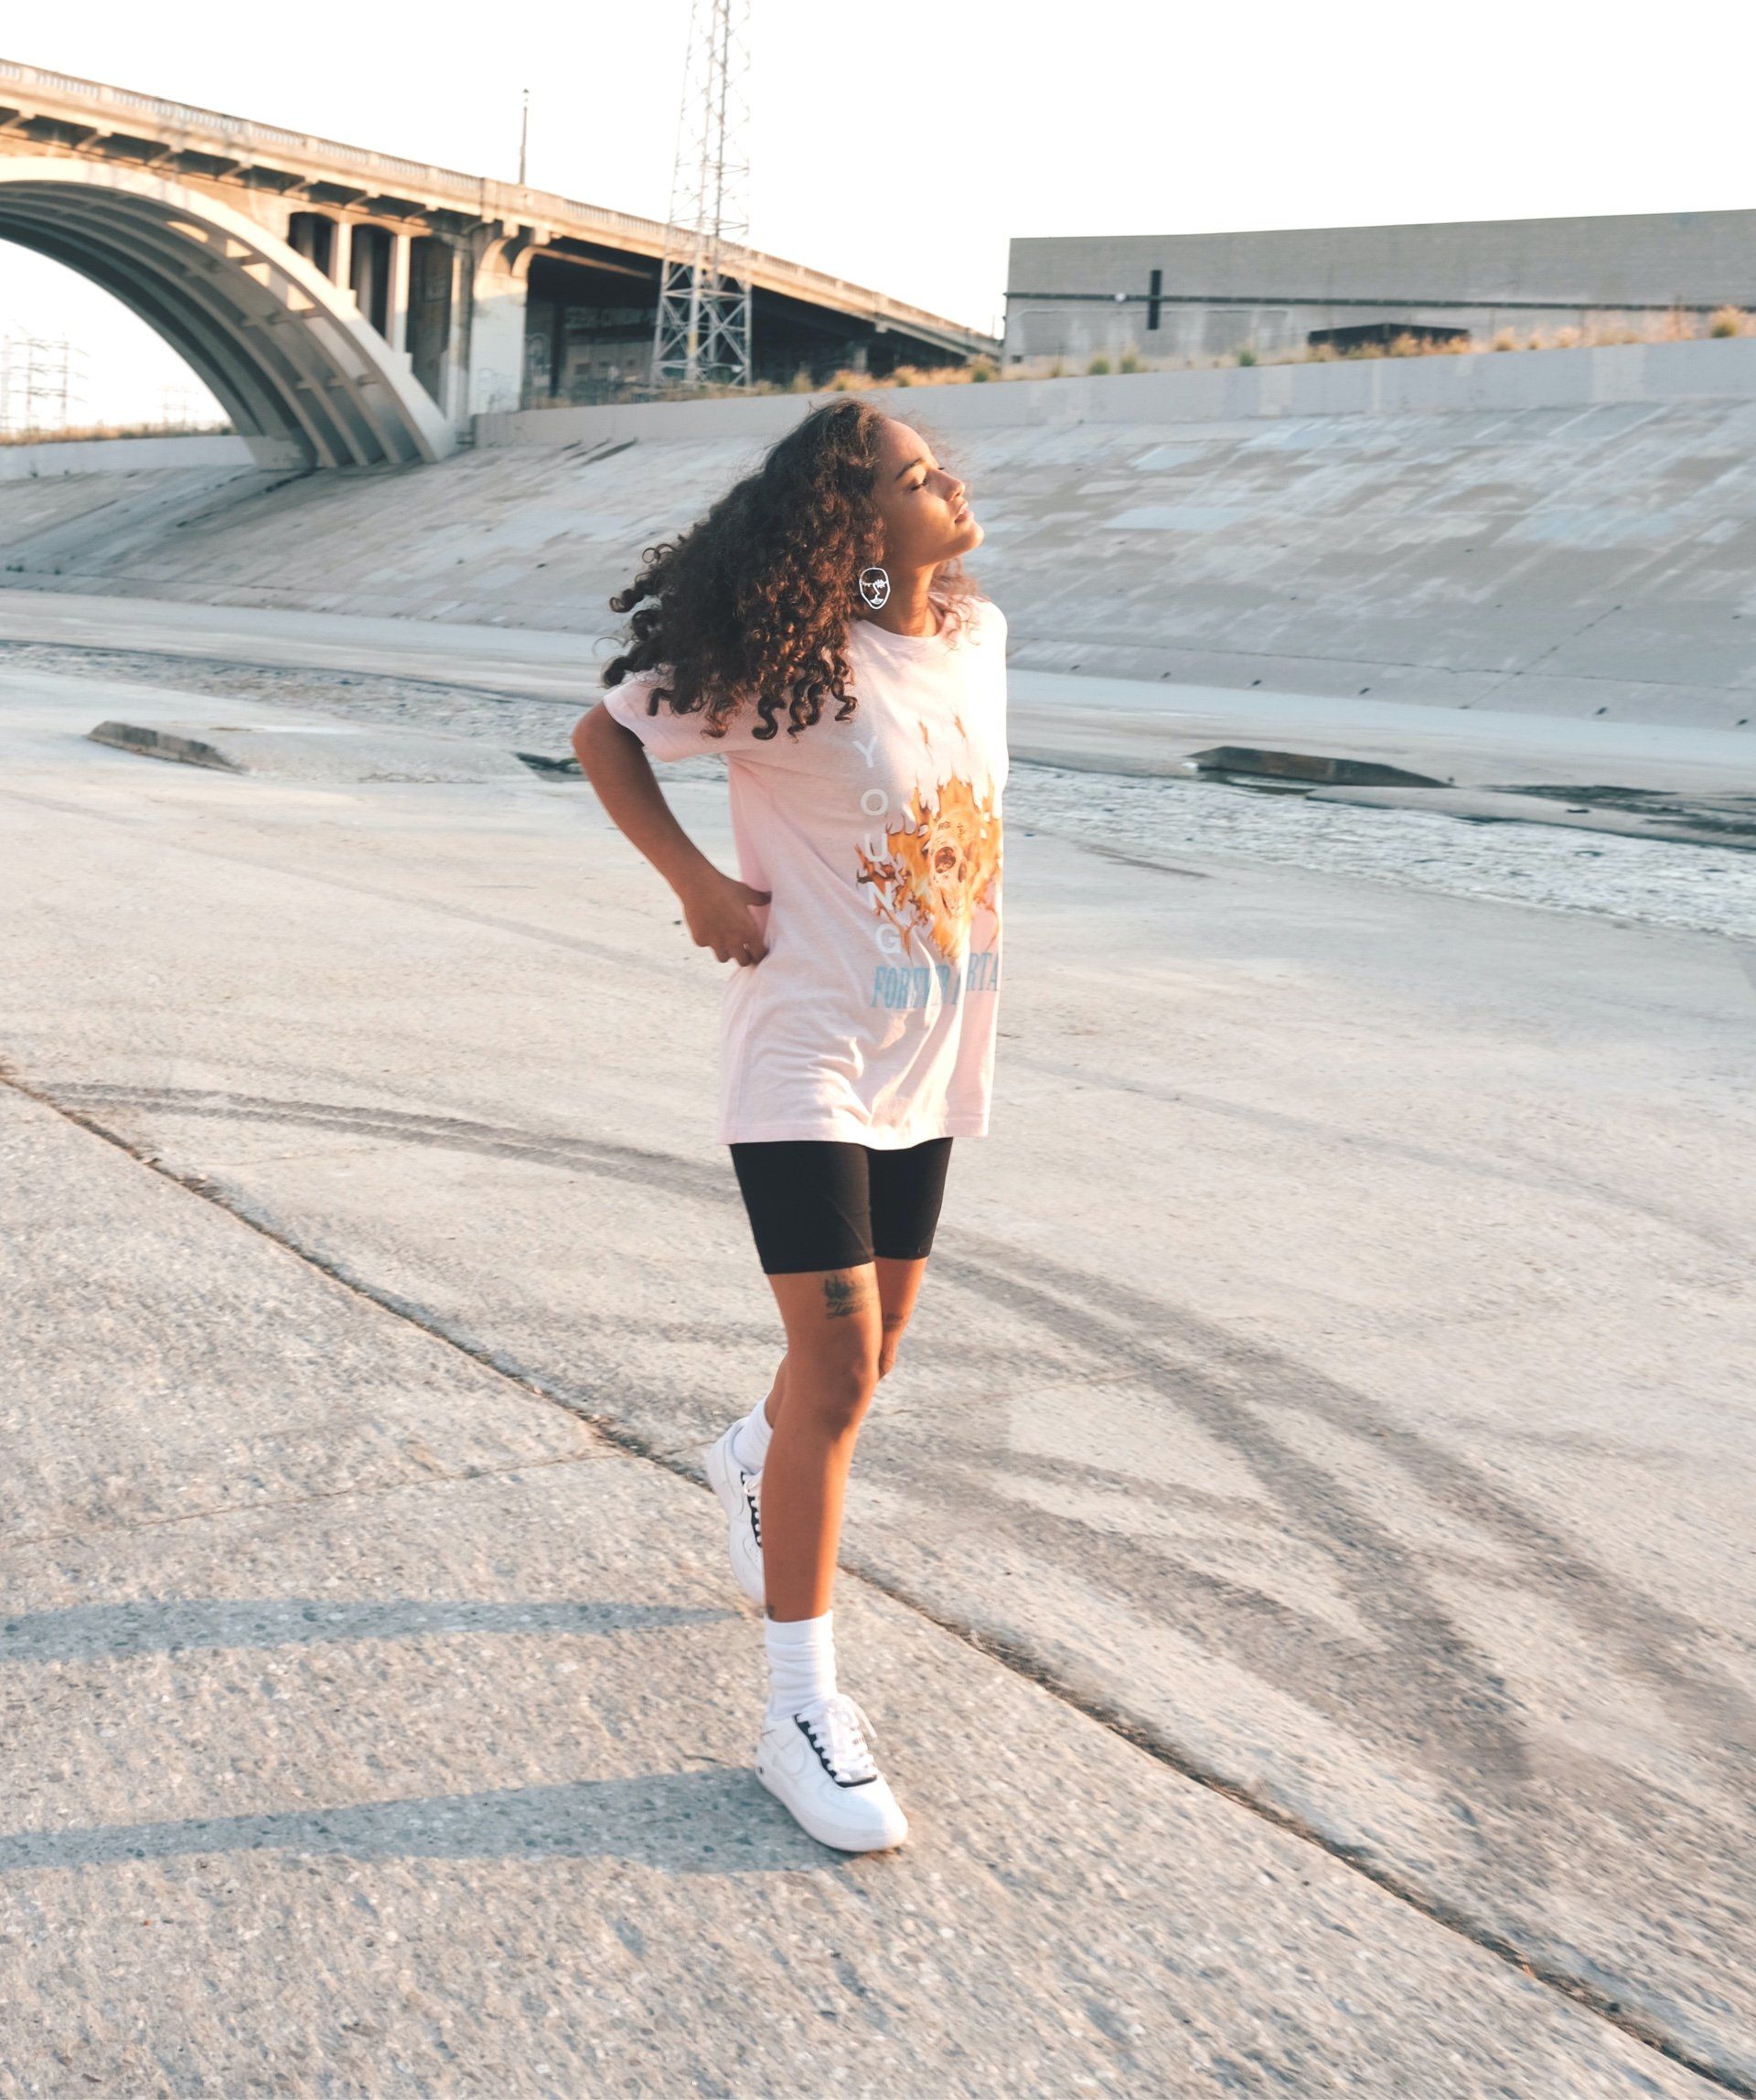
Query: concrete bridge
{"points": [[349, 308]]}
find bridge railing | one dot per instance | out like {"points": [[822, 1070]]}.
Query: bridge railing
{"points": [[482, 195]]}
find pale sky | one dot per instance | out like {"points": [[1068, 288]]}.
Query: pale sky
{"points": [[901, 146]]}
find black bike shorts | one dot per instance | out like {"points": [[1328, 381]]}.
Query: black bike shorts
{"points": [[816, 1203]]}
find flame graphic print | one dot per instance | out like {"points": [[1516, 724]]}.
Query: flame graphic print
{"points": [[940, 866]]}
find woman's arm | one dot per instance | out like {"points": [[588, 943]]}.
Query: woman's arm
{"points": [[716, 906]]}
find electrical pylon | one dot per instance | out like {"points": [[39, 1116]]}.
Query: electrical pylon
{"points": [[39, 378], [701, 332]]}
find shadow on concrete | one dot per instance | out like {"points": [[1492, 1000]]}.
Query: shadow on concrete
{"points": [[714, 1821], [152, 1626]]}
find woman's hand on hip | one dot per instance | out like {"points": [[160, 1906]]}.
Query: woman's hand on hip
{"points": [[717, 911]]}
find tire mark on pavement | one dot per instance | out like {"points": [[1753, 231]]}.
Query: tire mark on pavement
{"points": [[1545, 1175], [1230, 1381]]}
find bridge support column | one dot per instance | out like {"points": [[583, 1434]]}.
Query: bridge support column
{"points": [[399, 291], [497, 323], [454, 396], [341, 258]]}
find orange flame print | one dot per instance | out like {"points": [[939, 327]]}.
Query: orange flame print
{"points": [[941, 866]]}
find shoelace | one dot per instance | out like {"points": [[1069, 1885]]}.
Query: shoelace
{"points": [[752, 1482], [842, 1727]]}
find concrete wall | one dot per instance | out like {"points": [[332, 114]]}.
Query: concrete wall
{"points": [[1375, 386], [124, 455], [1565, 533], [1075, 296]]}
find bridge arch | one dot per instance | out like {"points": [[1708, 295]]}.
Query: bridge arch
{"points": [[304, 378]]}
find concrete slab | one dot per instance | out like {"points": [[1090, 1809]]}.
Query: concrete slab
{"points": [[270, 1396], [1128, 726], [1724, 821], [1333, 1368], [440, 1779]]}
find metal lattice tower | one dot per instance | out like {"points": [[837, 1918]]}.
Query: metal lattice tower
{"points": [[39, 383], [702, 331]]}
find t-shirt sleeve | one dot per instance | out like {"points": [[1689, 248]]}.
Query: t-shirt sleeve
{"points": [[668, 735], [989, 621]]}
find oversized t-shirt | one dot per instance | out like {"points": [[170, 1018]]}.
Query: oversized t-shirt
{"points": [[871, 1016]]}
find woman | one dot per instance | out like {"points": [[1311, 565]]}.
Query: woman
{"points": [[815, 627]]}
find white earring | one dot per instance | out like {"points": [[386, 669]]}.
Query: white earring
{"points": [[874, 585]]}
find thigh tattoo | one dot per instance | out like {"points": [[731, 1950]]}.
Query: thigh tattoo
{"points": [[845, 1293]]}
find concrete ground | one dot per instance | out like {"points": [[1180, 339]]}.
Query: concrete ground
{"points": [[1300, 1566]]}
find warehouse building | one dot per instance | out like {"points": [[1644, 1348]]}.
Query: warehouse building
{"points": [[1182, 297]]}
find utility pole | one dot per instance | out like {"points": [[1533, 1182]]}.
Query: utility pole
{"points": [[524, 139], [701, 330]]}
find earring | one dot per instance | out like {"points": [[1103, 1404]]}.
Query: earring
{"points": [[874, 585]]}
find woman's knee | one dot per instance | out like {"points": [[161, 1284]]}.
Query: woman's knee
{"points": [[837, 1386], [834, 1340]]}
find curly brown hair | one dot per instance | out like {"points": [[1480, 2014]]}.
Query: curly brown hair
{"points": [[753, 604]]}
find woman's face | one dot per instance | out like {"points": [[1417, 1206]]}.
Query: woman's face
{"points": [[927, 519]]}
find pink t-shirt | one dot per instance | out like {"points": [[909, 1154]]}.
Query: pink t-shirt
{"points": [[872, 1017]]}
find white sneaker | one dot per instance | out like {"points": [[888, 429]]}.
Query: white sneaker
{"points": [[738, 1491], [818, 1765]]}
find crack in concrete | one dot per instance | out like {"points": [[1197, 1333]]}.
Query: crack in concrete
{"points": [[1005, 1650]]}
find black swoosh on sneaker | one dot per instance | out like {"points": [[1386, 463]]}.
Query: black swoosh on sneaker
{"points": [[805, 1730]]}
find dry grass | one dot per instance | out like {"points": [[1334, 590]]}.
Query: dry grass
{"points": [[1673, 327], [77, 433], [1669, 327]]}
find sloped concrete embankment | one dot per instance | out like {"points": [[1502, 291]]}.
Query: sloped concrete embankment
{"points": [[1566, 533]]}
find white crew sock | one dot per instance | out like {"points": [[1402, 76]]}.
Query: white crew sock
{"points": [[750, 1445], [801, 1662]]}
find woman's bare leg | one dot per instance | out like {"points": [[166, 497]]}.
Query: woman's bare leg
{"points": [[771, 1405], [834, 1338], [844, 1327], [899, 1285]]}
